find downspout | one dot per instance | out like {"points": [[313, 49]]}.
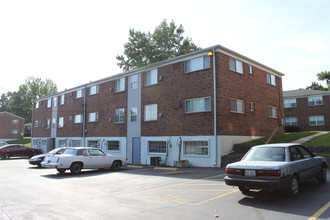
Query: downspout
{"points": [[215, 109], [84, 117]]}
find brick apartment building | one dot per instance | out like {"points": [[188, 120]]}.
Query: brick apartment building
{"points": [[11, 127], [307, 109], [193, 107]]}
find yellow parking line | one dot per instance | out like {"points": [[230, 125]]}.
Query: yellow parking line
{"points": [[320, 211]]}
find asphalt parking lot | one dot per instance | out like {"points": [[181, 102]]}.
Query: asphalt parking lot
{"points": [[28, 192]]}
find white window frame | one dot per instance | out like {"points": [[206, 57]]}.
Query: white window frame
{"points": [[62, 99], [36, 123], [76, 143], [134, 82], [196, 64], [49, 103], [237, 106], [61, 122], [198, 105], [79, 94], [290, 103], [236, 65], [15, 121], [119, 116], [48, 123], [133, 116], [14, 131], [78, 119], [37, 104], [93, 90], [250, 69], [120, 85], [163, 142], [151, 112], [61, 142], [315, 100], [113, 141], [271, 79], [272, 112], [198, 152], [291, 121], [252, 106], [93, 117], [317, 120], [151, 77]]}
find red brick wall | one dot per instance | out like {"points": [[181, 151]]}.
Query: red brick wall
{"points": [[303, 111], [41, 114], [7, 126]]}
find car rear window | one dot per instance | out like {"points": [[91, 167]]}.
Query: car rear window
{"points": [[266, 154], [70, 152]]}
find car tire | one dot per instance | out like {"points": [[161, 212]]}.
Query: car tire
{"points": [[116, 165], [75, 168], [244, 190], [61, 170], [6, 156], [293, 188], [322, 176]]}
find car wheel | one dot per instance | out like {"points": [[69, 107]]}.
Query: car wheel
{"points": [[293, 188], [322, 176], [60, 170], [116, 165], [6, 156], [244, 190], [75, 168]]}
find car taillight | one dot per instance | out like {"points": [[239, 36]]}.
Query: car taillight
{"points": [[234, 171], [268, 172]]}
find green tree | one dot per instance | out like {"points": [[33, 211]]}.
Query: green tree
{"points": [[20, 102], [167, 41], [316, 86], [324, 76]]}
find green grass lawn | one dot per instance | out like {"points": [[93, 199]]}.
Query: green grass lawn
{"points": [[323, 140], [26, 142]]}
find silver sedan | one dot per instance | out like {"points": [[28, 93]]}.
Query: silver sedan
{"points": [[276, 166]]}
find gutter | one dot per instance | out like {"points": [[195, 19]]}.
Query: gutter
{"points": [[215, 109]]}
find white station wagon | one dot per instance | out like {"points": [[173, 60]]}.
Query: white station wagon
{"points": [[78, 158]]}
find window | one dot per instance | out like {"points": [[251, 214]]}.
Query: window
{"points": [[133, 114], [36, 123], [250, 69], [315, 100], [37, 105], [78, 119], [291, 121], [79, 94], [92, 143], [151, 77], [62, 143], [150, 112], [113, 145], [236, 65], [198, 105], [61, 122], [62, 99], [48, 123], [93, 117], [316, 120], [290, 103], [196, 148], [272, 112], [14, 131], [76, 143], [119, 115], [49, 103], [120, 85], [237, 106], [157, 147], [134, 82], [252, 106], [271, 79], [15, 121], [93, 90], [54, 122], [55, 101], [198, 63]]}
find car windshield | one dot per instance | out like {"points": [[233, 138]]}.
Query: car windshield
{"points": [[265, 154], [56, 151]]}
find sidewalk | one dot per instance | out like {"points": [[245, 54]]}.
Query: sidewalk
{"points": [[305, 139]]}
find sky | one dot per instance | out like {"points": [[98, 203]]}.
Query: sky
{"points": [[73, 42]]}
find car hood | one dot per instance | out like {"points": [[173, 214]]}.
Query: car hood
{"points": [[257, 164], [38, 156]]}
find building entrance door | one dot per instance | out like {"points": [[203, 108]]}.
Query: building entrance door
{"points": [[136, 148]]}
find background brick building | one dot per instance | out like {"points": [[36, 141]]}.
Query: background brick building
{"points": [[11, 126], [307, 109], [193, 107]]}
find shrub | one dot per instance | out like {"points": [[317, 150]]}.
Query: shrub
{"points": [[291, 128]]}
